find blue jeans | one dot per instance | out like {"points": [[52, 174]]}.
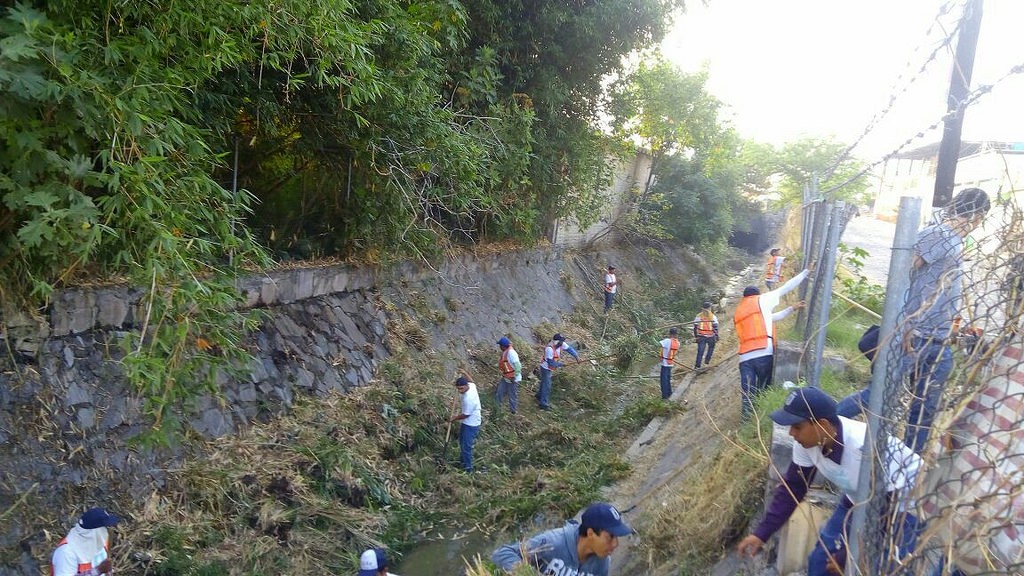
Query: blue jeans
{"points": [[929, 366], [854, 404], [467, 437], [708, 343], [609, 300], [508, 388], [666, 382], [833, 537], [755, 376], [544, 394]]}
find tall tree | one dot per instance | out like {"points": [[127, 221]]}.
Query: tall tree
{"points": [[798, 162], [557, 54], [667, 111]]}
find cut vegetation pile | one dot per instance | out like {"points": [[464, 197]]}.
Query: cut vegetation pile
{"points": [[307, 492]]}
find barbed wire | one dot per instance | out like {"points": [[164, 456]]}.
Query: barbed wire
{"points": [[895, 92], [971, 98]]}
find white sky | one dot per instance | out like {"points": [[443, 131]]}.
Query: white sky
{"points": [[792, 68]]}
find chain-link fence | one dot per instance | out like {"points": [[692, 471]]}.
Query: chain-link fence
{"points": [[951, 389]]}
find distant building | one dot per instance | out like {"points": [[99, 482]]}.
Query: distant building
{"points": [[992, 166]]}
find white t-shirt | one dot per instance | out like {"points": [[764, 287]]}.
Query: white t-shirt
{"points": [[471, 406], [666, 347], [768, 301], [777, 268], [84, 546], [513, 359], [901, 465], [610, 279]]}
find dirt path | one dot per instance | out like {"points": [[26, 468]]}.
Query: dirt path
{"points": [[664, 452]]}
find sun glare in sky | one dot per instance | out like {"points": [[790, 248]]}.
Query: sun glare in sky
{"points": [[787, 69]]}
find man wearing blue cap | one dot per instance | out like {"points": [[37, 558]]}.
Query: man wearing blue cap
{"points": [[85, 551], [511, 375], [471, 418], [582, 548], [832, 445], [374, 562]]}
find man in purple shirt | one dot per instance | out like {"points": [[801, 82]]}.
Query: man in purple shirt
{"points": [[832, 445]]}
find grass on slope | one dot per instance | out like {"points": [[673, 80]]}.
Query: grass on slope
{"points": [[307, 492]]}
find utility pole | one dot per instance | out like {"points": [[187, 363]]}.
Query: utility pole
{"points": [[959, 88]]}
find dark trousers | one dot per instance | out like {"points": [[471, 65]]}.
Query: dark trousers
{"points": [[507, 388], [467, 437], [609, 300], [544, 392], [666, 382], [705, 343], [929, 366], [755, 376]]}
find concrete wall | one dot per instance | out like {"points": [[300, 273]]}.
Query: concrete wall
{"points": [[628, 174]]}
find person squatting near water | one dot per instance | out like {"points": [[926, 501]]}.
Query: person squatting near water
{"points": [[471, 418], [932, 306], [85, 551], [773, 269], [511, 375], [577, 549], [827, 443], [552, 353], [611, 286], [705, 332], [755, 329], [669, 347]]}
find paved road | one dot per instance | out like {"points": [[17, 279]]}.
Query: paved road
{"points": [[874, 236]]}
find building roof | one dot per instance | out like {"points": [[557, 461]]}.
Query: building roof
{"points": [[967, 148]]}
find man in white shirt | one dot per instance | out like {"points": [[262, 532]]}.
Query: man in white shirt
{"points": [[471, 419], [85, 551], [826, 443], [611, 286], [754, 320]]}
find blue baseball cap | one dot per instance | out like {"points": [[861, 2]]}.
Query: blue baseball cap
{"points": [[805, 404], [97, 518], [504, 342], [604, 516], [372, 561], [462, 381]]}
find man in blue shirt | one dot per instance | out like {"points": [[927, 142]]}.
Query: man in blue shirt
{"points": [[580, 549], [932, 306]]}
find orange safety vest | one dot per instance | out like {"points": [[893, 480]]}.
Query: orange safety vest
{"points": [[706, 326], [556, 353], [506, 367], [769, 270], [82, 566], [673, 347], [750, 328]]}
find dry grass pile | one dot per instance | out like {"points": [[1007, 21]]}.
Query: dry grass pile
{"points": [[298, 494], [710, 510]]}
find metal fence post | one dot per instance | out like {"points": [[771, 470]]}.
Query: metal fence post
{"points": [[823, 289], [898, 282]]}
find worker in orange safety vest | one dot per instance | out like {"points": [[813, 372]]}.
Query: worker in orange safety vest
{"points": [[773, 269], [705, 332], [754, 321], [669, 347], [85, 551]]}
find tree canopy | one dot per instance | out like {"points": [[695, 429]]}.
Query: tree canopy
{"points": [[173, 145]]}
